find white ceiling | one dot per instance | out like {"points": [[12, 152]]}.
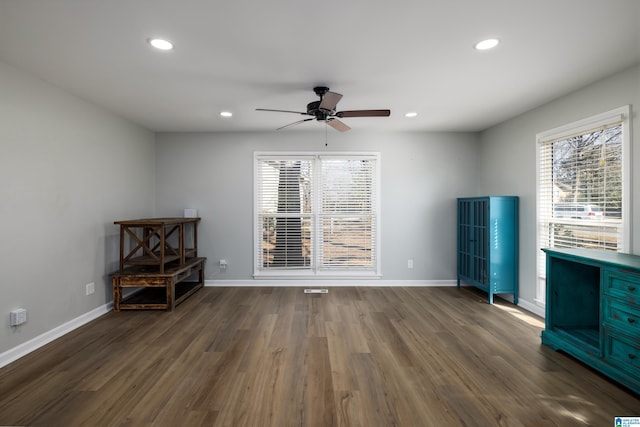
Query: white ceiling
{"points": [[239, 55]]}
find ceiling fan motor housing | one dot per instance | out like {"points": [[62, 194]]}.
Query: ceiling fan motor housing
{"points": [[313, 109], [324, 110]]}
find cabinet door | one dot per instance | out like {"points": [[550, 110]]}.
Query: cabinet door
{"points": [[480, 241], [465, 241], [473, 240]]}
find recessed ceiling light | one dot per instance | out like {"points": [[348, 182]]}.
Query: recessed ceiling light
{"points": [[411, 114], [226, 113], [486, 44], [160, 44]]}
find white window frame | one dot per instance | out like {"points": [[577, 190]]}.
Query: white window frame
{"points": [[315, 271], [621, 114]]}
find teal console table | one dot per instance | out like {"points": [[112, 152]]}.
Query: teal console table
{"points": [[593, 310]]}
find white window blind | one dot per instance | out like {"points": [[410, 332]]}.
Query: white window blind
{"points": [[581, 187], [348, 213], [284, 212], [316, 214]]}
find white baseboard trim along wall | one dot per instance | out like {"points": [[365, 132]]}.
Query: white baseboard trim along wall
{"points": [[532, 307], [314, 283], [53, 334]]}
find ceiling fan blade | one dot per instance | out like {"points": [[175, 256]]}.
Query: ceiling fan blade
{"points": [[282, 111], [338, 125], [364, 113], [295, 123], [329, 101]]}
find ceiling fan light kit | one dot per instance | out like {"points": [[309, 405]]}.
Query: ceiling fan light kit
{"points": [[324, 110]]}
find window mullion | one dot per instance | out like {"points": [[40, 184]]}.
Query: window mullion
{"points": [[315, 211]]}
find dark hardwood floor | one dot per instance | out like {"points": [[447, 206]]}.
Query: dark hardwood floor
{"points": [[361, 356]]}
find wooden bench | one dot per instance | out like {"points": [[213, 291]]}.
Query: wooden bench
{"points": [[159, 290]]}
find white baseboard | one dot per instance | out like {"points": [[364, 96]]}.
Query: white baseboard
{"points": [[33, 344], [532, 307], [311, 283]]}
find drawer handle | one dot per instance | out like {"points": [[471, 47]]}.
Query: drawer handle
{"points": [[631, 288], [632, 356], [631, 320]]}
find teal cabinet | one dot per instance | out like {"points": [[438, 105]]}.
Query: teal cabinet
{"points": [[593, 310], [488, 244]]}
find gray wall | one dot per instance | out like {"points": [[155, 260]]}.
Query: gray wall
{"points": [[67, 171], [508, 153], [422, 174]]}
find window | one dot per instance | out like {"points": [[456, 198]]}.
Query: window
{"points": [[316, 215], [583, 186]]}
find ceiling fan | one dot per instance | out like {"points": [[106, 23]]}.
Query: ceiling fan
{"points": [[325, 111]]}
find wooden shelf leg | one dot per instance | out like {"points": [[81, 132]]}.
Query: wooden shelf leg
{"points": [[121, 248], [195, 240], [171, 295], [117, 294], [201, 273], [162, 243], [181, 247]]}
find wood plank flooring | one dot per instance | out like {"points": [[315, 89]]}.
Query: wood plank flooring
{"points": [[360, 356]]}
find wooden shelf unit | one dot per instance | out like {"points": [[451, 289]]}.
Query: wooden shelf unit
{"points": [[161, 291], [158, 262], [153, 244]]}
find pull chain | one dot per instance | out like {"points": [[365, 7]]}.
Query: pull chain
{"points": [[325, 134]]}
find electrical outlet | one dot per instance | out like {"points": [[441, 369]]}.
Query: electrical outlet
{"points": [[90, 288], [410, 263], [18, 317], [223, 264]]}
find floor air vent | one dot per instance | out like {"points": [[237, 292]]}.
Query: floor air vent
{"points": [[316, 291]]}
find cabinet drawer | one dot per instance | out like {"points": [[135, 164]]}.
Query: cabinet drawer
{"points": [[623, 284], [622, 351], [622, 316]]}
